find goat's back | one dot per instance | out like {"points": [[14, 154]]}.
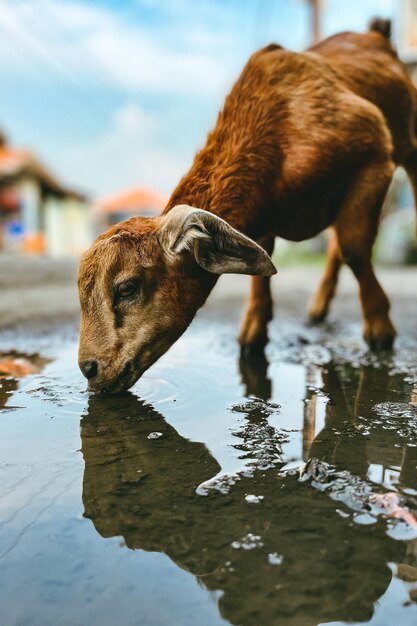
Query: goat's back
{"points": [[370, 67]]}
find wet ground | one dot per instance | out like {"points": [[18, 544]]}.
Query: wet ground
{"points": [[276, 491]]}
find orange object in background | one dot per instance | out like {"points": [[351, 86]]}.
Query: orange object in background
{"points": [[17, 368], [137, 201], [34, 244], [18, 365]]}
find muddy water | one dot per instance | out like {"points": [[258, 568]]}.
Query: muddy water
{"points": [[219, 491]]}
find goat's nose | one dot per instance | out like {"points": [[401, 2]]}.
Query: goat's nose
{"points": [[89, 369]]}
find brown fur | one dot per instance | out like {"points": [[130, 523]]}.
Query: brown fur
{"points": [[380, 77], [297, 148]]}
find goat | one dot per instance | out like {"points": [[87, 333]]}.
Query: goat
{"points": [[382, 80], [296, 149]]}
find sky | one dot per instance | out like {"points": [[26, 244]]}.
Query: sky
{"points": [[113, 94]]}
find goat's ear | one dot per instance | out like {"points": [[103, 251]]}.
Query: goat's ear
{"points": [[216, 246]]}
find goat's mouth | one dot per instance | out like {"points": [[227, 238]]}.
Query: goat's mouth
{"points": [[123, 382], [133, 369]]}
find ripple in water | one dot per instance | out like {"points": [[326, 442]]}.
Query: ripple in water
{"points": [[401, 417], [184, 377]]}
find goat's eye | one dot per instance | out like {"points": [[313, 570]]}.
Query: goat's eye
{"points": [[127, 289]]}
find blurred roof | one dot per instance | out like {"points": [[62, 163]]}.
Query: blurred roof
{"points": [[139, 200], [16, 164]]}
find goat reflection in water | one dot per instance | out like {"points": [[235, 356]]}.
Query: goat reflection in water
{"points": [[354, 396], [145, 491]]}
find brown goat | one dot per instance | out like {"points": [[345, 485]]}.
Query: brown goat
{"points": [[295, 150], [379, 76]]}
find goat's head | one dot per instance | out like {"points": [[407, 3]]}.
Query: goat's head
{"points": [[142, 282]]}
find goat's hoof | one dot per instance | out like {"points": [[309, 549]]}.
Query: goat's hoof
{"points": [[380, 337], [253, 336], [316, 318], [318, 310], [317, 314], [382, 344]]}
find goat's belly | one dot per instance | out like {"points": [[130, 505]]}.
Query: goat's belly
{"points": [[300, 232], [297, 223]]}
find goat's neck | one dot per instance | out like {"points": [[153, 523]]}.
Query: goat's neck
{"points": [[234, 195], [235, 192]]}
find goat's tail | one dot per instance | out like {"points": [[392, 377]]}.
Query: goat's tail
{"points": [[379, 25]]}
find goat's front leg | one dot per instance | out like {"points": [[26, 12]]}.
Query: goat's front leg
{"points": [[253, 333]]}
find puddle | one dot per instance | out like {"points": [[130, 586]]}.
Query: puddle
{"points": [[216, 492]]}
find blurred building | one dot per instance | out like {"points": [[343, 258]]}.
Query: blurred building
{"points": [[397, 242], [37, 213], [405, 30], [137, 201]]}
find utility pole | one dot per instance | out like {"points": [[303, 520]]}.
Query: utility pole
{"points": [[315, 8]]}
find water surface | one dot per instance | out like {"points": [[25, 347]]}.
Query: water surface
{"points": [[218, 491]]}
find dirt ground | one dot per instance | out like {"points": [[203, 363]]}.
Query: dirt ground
{"points": [[36, 291]]}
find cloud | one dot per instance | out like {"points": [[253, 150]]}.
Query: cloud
{"points": [[82, 43], [137, 63], [122, 93], [137, 93], [126, 155]]}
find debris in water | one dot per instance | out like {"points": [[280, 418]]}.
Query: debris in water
{"points": [[365, 519], [249, 542], [155, 435], [390, 505], [256, 405], [254, 499], [275, 559]]}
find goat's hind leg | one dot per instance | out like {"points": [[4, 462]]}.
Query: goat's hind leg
{"points": [[356, 228], [253, 335], [320, 303]]}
